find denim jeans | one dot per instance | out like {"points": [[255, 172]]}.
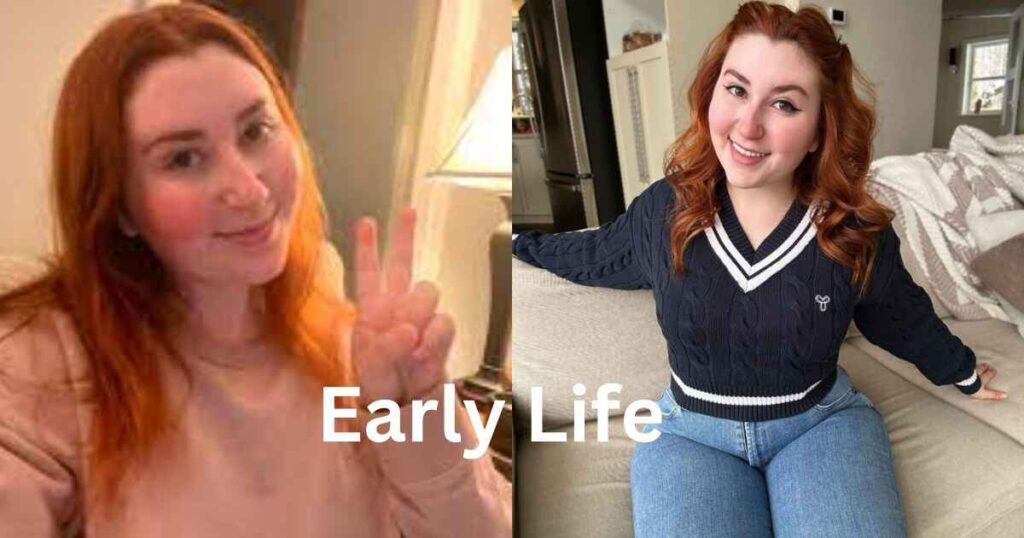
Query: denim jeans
{"points": [[825, 472]]}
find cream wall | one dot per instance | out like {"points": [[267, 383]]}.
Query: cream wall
{"points": [[950, 86], [691, 25], [354, 68], [893, 43], [621, 15], [38, 41]]}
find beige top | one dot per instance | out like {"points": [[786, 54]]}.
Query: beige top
{"points": [[247, 459]]}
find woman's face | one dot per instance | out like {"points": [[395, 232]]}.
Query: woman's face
{"points": [[764, 112], [214, 172]]}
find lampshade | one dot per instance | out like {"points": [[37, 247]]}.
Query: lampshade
{"points": [[484, 144]]}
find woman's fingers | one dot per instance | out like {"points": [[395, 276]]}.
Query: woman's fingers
{"points": [[377, 312], [368, 281], [436, 340], [986, 373], [400, 254], [427, 367], [989, 394], [419, 305], [386, 347]]}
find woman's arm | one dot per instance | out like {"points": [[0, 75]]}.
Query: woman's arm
{"points": [[38, 431], [434, 490], [897, 315], [616, 255]]}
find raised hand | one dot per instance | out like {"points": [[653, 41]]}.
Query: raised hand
{"points": [[400, 343], [986, 372]]}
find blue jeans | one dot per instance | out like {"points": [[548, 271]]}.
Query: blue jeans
{"points": [[825, 472]]}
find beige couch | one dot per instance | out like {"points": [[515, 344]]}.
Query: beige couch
{"points": [[959, 461]]}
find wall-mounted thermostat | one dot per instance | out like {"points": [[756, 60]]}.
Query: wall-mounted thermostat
{"points": [[837, 16]]}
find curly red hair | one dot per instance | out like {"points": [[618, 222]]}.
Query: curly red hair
{"points": [[849, 219]]}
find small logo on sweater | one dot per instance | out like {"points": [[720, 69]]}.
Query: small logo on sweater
{"points": [[822, 302]]}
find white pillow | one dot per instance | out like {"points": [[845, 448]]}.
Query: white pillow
{"points": [[994, 228]]}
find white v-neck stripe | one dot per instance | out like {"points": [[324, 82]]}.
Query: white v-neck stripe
{"points": [[738, 266], [751, 269], [733, 269]]}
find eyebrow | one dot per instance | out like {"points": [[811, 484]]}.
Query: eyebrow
{"points": [[777, 89], [186, 135]]}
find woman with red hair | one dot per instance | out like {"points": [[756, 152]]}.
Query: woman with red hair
{"points": [[164, 377], [761, 246]]}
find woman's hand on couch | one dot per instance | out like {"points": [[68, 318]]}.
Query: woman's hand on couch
{"points": [[986, 372]]}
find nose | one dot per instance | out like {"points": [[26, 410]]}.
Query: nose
{"points": [[242, 185], [750, 127]]}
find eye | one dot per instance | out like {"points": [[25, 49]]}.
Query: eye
{"points": [[258, 131], [785, 106], [183, 159], [738, 91]]}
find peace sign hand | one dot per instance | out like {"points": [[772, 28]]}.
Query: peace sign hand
{"points": [[399, 343], [986, 372]]}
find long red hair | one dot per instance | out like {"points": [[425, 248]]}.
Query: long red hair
{"points": [[835, 175], [115, 290]]}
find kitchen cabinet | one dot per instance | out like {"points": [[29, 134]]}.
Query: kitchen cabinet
{"points": [[641, 97]]}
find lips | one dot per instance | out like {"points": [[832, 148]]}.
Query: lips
{"points": [[744, 156], [747, 152], [251, 235]]}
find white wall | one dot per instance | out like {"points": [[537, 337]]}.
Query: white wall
{"points": [[893, 43], [620, 15], [950, 86], [38, 42], [692, 24], [352, 76]]}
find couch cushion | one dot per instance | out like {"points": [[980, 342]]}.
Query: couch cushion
{"points": [[995, 342], [575, 489], [564, 333], [957, 470]]}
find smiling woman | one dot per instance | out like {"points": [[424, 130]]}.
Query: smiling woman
{"points": [[164, 377], [761, 246], [213, 181]]}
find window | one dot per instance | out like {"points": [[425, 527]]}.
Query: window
{"points": [[984, 77]]}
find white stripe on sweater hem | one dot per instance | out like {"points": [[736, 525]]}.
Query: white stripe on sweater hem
{"points": [[742, 400]]}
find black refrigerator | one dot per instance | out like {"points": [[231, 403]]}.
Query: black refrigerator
{"points": [[566, 55]]}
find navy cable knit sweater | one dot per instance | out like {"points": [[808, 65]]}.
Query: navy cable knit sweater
{"points": [[754, 334]]}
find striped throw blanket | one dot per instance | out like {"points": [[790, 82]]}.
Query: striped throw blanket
{"points": [[933, 193]]}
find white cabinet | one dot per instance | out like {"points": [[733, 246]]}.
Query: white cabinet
{"points": [[642, 109], [530, 202]]}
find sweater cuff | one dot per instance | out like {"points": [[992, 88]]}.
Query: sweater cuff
{"points": [[970, 385]]}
